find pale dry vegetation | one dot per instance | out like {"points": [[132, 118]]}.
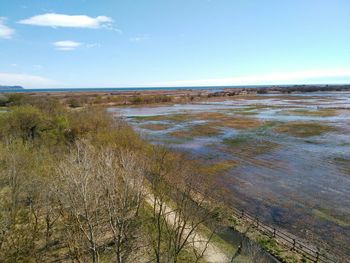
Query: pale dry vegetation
{"points": [[80, 186]]}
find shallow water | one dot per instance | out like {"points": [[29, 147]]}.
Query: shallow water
{"points": [[301, 184]]}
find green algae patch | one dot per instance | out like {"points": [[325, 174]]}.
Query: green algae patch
{"points": [[266, 126], [326, 216], [236, 141], [249, 146], [202, 130], [252, 110], [303, 129], [155, 127]]}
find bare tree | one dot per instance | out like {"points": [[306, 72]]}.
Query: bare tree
{"points": [[102, 192], [81, 196], [181, 206], [122, 177]]}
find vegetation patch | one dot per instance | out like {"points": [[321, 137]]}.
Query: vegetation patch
{"points": [[237, 140], [155, 126], [239, 123], [251, 110], [326, 216], [343, 163], [228, 248], [249, 146], [303, 129], [168, 117], [208, 115], [307, 112], [148, 99], [267, 125], [202, 130], [219, 167]]}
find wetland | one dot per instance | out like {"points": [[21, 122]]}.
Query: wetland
{"points": [[284, 158]]}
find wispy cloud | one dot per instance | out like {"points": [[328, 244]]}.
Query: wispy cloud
{"points": [[62, 20], [66, 45], [139, 38], [5, 31], [93, 45], [25, 80], [299, 77]]}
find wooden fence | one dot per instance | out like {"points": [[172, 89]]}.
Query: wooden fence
{"points": [[308, 251]]}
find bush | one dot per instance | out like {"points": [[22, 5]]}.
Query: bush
{"points": [[3, 101], [74, 103]]}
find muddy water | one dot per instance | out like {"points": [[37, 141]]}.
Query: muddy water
{"points": [[301, 184]]}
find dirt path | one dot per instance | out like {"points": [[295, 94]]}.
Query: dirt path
{"points": [[212, 254]]}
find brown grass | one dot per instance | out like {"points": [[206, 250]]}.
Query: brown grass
{"points": [[202, 130], [155, 127], [219, 167], [170, 117], [306, 112], [239, 123], [208, 115], [303, 129]]}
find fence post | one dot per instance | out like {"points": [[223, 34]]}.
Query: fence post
{"points": [[317, 256], [293, 244], [274, 232]]}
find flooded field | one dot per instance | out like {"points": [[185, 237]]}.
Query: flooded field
{"points": [[286, 157]]}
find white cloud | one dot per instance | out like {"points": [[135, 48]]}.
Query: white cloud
{"points": [[66, 45], [25, 80], [62, 20], [299, 77], [5, 31]]}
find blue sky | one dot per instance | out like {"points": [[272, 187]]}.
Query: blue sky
{"points": [[110, 43]]}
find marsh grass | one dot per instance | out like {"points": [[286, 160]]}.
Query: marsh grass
{"points": [[266, 126], [328, 217], [183, 117], [239, 140], [249, 146], [239, 123], [303, 129], [308, 112], [208, 115], [155, 126], [202, 130], [219, 167], [168, 117], [216, 120], [343, 163]]}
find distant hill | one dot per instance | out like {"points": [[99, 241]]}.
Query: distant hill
{"points": [[9, 88]]}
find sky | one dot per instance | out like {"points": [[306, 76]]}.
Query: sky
{"points": [[152, 43]]}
